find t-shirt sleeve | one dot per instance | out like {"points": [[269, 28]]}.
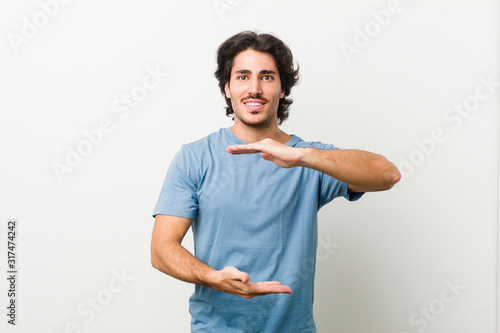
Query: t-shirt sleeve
{"points": [[178, 195], [331, 188]]}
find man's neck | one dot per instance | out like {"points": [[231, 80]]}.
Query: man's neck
{"points": [[252, 134]]}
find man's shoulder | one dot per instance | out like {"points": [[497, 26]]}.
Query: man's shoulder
{"points": [[210, 139], [198, 153]]}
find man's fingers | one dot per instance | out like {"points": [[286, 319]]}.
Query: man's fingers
{"points": [[244, 152], [252, 289], [268, 282], [270, 287], [237, 282], [243, 149]]}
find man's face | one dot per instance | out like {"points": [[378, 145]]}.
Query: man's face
{"points": [[254, 89]]}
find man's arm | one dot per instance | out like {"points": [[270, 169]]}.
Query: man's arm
{"points": [[362, 170], [170, 257]]}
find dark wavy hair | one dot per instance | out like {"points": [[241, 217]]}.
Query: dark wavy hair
{"points": [[249, 40]]}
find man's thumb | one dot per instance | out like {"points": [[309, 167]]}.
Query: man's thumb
{"points": [[244, 277], [234, 273]]}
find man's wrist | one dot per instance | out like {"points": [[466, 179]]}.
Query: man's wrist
{"points": [[305, 157], [211, 278]]}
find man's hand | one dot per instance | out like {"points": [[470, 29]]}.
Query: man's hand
{"points": [[361, 170], [233, 281], [281, 154]]}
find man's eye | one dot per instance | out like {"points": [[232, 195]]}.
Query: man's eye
{"points": [[267, 78], [242, 78]]}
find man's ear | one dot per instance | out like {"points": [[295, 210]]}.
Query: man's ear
{"points": [[226, 89], [282, 93]]}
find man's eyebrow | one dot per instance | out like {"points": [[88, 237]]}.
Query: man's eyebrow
{"points": [[247, 71], [243, 71]]}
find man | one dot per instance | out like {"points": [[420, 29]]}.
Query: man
{"points": [[251, 193]]}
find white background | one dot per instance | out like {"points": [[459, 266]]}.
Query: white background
{"points": [[383, 260]]}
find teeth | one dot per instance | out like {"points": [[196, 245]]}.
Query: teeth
{"points": [[253, 104]]}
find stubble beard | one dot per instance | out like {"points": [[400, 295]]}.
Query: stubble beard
{"points": [[264, 123]]}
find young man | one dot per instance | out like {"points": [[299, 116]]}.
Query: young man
{"points": [[251, 193]]}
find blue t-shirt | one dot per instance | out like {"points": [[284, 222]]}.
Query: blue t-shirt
{"points": [[251, 214]]}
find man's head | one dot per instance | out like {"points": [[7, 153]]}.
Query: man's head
{"points": [[267, 51]]}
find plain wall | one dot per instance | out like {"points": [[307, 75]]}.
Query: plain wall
{"points": [[421, 257]]}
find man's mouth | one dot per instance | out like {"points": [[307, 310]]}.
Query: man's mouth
{"points": [[254, 105]]}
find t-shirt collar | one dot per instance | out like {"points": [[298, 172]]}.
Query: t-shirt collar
{"points": [[233, 138]]}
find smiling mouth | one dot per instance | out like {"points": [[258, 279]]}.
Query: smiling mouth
{"points": [[254, 103], [254, 106]]}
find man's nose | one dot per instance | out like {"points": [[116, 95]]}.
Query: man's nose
{"points": [[255, 86]]}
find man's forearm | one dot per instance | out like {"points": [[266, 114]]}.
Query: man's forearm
{"points": [[360, 168], [173, 259]]}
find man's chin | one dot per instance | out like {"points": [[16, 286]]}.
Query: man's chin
{"points": [[257, 123], [257, 120]]}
